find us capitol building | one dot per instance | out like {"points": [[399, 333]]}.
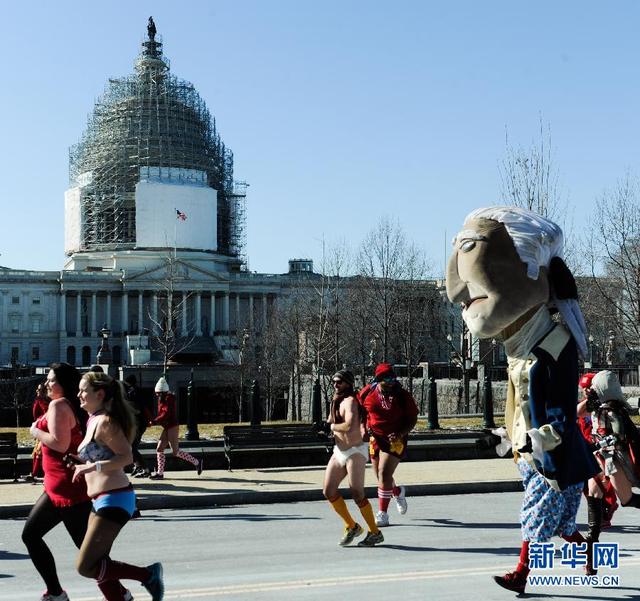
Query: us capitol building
{"points": [[153, 214]]}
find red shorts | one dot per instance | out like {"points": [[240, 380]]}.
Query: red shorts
{"points": [[397, 448]]}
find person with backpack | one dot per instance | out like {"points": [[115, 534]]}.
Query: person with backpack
{"points": [[391, 414]]}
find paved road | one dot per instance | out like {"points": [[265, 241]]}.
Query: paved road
{"points": [[445, 548]]}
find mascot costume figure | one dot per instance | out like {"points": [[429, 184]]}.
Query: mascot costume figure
{"points": [[507, 271]]}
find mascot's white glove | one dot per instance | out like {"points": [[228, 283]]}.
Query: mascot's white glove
{"points": [[504, 446]]}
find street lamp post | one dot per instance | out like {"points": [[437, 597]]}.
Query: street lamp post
{"points": [[104, 353], [610, 356], [589, 364]]}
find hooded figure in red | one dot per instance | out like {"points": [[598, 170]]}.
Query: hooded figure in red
{"points": [[391, 414]]}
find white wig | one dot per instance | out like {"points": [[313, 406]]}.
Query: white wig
{"points": [[538, 240]]}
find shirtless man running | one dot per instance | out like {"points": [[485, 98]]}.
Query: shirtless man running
{"points": [[349, 458]]}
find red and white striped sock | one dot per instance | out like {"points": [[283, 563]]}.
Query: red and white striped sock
{"points": [[384, 497], [187, 457], [161, 462]]}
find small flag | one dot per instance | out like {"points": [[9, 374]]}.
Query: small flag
{"points": [[180, 215]]}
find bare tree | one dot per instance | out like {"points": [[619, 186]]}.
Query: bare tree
{"points": [[529, 179], [414, 292], [381, 265], [614, 253], [167, 336]]}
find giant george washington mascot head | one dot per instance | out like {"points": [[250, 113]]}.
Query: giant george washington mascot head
{"points": [[506, 267]]}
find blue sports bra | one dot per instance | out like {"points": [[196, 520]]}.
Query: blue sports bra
{"points": [[93, 451]]}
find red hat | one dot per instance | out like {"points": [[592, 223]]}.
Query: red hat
{"points": [[585, 380], [384, 369]]}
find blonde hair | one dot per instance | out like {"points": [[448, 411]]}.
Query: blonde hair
{"points": [[116, 404]]}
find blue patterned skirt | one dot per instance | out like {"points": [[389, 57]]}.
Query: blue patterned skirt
{"points": [[545, 511]]}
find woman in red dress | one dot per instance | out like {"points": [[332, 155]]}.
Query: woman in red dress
{"points": [[59, 431]]}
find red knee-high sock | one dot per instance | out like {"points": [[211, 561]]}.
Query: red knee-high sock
{"points": [[576, 537], [384, 496], [112, 590], [116, 570], [161, 462], [187, 457], [523, 563], [396, 490]]}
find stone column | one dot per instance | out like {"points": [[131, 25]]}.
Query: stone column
{"points": [[125, 312], [140, 313], [94, 310], [212, 321], [107, 317], [264, 312], [251, 312], [237, 312], [63, 313], [154, 313], [198, 313], [225, 314], [79, 314], [184, 331]]}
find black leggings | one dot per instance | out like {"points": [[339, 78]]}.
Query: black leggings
{"points": [[45, 516]]}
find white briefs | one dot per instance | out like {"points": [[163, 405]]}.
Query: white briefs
{"points": [[343, 456]]}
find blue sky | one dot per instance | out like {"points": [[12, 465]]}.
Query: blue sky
{"points": [[338, 112]]}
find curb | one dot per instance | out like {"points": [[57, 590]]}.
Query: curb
{"points": [[288, 496]]}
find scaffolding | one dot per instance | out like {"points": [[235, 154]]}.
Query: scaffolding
{"points": [[155, 120]]}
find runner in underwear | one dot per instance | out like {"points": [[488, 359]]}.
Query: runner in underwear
{"points": [[101, 459], [349, 459]]}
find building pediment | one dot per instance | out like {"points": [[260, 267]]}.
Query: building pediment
{"points": [[179, 271]]}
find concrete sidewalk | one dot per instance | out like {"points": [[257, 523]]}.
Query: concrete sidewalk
{"points": [[275, 485]]}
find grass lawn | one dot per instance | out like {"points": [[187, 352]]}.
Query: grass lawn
{"points": [[215, 430]]}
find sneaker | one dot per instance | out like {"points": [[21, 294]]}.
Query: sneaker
{"points": [[155, 584], [49, 597], [156, 476], [401, 501], [371, 540], [382, 519], [142, 473], [513, 581], [350, 534], [200, 465]]}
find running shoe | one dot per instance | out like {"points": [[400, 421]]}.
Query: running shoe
{"points": [[142, 473], [200, 465], [382, 519], [401, 501], [156, 476], [155, 584], [371, 540], [513, 581], [350, 534], [49, 597]]}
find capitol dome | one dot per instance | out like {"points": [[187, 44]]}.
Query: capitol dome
{"points": [[151, 152]]}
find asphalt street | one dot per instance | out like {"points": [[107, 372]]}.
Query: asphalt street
{"points": [[444, 548]]}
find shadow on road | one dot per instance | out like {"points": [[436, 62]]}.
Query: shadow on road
{"points": [[248, 517]]}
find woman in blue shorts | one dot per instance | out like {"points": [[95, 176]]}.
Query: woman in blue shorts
{"points": [[102, 456]]}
